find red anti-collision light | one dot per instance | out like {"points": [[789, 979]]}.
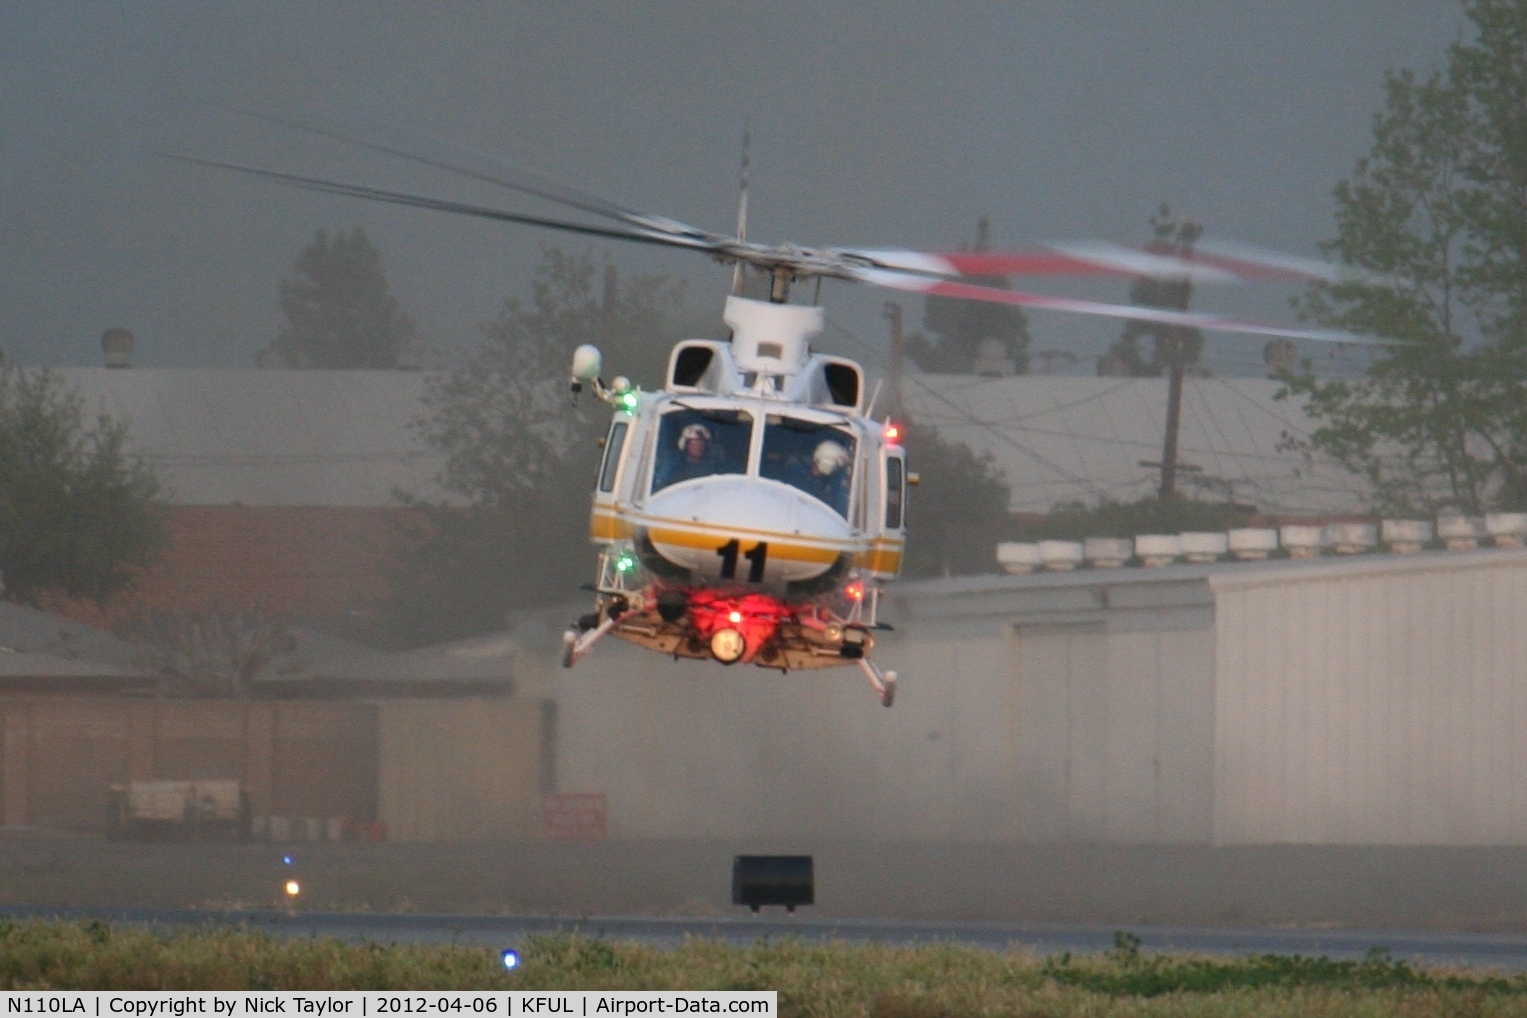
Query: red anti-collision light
{"points": [[855, 590], [892, 433]]}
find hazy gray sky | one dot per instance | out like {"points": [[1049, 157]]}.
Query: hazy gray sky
{"points": [[873, 124]]}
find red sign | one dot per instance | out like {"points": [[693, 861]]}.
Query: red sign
{"points": [[574, 816]]}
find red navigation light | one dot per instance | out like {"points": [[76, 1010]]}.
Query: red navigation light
{"points": [[892, 433], [855, 590]]}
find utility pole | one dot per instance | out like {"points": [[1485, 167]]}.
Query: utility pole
{"points": [[1174, 236], [1173, 348]]}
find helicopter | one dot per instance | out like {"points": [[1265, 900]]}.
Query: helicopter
{"points": [[752, 508]]}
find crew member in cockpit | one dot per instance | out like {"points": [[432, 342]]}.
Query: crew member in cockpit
{"points": [[694, 455], [829, 474]]}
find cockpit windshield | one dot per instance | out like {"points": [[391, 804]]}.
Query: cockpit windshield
{"points": [[816, 458], [695, 443]]}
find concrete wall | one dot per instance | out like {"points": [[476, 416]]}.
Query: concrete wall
{"points": [[1377, 701]]}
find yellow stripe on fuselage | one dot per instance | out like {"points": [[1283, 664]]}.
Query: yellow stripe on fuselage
{"points": [[780, 545], [727, 531], [605, 525], [882, 557]]}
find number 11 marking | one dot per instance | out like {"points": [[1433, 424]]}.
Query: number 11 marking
{"points": [[757, 557]]}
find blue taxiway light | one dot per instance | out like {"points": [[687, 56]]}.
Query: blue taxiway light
{"points": [[511, 958]]}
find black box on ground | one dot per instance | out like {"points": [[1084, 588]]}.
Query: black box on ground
{"points": [[787, 880]]}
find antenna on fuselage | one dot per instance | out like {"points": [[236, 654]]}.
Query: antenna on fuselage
{"points": [[738, 268]]}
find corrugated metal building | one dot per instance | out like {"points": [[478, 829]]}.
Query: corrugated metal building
{"points": [[1377, 701], [434, 744], [1112, 705], [1369, 700]]}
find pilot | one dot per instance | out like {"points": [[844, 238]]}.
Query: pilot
{"points": [[694, 460], [829, 473]]}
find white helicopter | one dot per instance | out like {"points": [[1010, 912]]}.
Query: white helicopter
{"points": [[751, 509]]}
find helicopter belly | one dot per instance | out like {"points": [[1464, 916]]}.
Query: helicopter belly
{"points": [[737, 530]]}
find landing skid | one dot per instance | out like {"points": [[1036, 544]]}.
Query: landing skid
{"points": [[576, 644], [883, 683], [646, 629]]}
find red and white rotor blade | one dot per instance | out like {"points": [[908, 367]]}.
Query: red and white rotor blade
{"points": [[1259, 265], [1210, 263], [1187, 319]]}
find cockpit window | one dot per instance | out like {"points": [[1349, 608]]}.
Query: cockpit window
{"points": [[698, 443], [816, 458]]}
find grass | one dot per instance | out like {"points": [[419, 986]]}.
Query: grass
{"points": [[821, 980]]}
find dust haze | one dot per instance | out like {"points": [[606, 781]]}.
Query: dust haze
{"points": [[882, 124], [1059, 120]]}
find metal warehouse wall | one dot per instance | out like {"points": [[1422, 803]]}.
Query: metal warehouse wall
{"points": [[1044, 708], [686, 749], [1373, 701], [466, 769], [59, 754], [1115, 736], [459, 770]]}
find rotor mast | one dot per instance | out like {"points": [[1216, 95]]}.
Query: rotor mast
{"points": [[779, 284], [739, 270]]}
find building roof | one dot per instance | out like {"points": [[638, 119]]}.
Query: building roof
{"points": [[320, 664], [27, 631], [346, 438], [327, 663], [38, 647], [1061, 439], [1079, 594], [269, 437]]}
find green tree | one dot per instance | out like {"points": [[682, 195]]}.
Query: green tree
{"points": [[959, 510], [972, 336], [1127, 355], [520, 459], [78, 512], [1438, 208], [338, 311]]}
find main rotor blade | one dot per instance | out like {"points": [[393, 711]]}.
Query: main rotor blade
{"points": [[1187, 319], [458, 208], [1258, 263], [1208, 263], [492, 171]]}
